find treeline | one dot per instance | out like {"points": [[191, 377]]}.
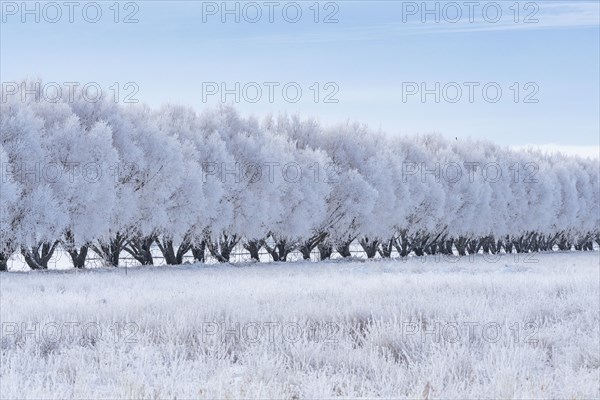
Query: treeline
{"points": [[113, 180]]}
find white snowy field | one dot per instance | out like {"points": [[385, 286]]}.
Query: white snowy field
{"points": [[524, 327]]}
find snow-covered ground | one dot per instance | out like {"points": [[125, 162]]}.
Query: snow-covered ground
{"points": [[524, 327]]}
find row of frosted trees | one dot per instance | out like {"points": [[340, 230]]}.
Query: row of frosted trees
{"points": [[110, 179]]}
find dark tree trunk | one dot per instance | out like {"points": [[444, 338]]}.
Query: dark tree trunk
{"points": [[488, 244], [280, 251], [386, 248], [419, 242], [564, 244], [424, 242], [305, 251], [446, 246], [4, 261], [110, 251], [530, 242], [473, 246], [284, 250], [517, 244], [309, 245], [499, 245], [508, 244], [461, 245], [402, 244], [199, 250], [485, 245], [494, 245], [546, 242], [344, 248], [583, 244], [5, 254], [78, 255], [140, 248], [542, 242], [522, 243], [253, 246], [369, 246], [172, 256], [419, 251], [432, 248], [325, 250], [37, 257], [222, 249], [534, 242]]}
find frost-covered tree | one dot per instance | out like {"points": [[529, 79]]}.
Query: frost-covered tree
{"points": [[100, 176], [82, 158], [243, 211], [41, 219], [302, 189], [10, 211]]}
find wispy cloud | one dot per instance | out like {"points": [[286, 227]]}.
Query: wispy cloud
{"points": [[548, 15]]}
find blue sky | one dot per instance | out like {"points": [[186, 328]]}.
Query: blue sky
{"points": [[373, 54]]}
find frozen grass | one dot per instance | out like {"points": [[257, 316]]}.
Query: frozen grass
{"points": [[526, 328]]}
